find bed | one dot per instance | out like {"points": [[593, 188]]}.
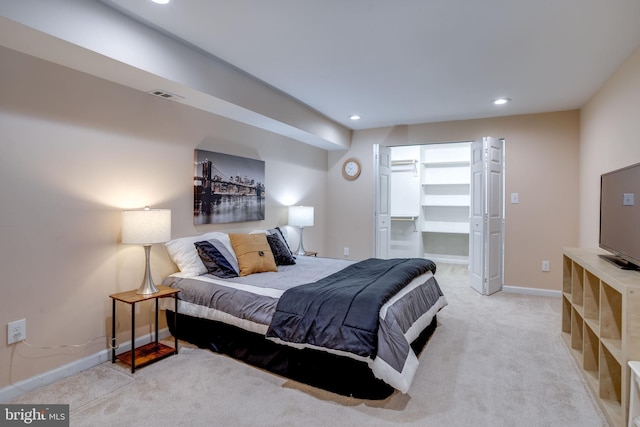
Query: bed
{"points": [[350, 327]]}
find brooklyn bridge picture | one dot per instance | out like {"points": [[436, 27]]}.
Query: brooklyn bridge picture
{"points": [[227, 188]]}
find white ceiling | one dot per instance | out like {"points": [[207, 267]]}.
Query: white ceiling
{"points": [[400, 62]]}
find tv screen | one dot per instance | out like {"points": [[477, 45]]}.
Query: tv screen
{"points": [[620, 216]]}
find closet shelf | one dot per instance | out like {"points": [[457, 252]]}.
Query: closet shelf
{"points": [[445, 227], [451, 181], [445, 163], [446, 200], [404, 217], [403, 162]]}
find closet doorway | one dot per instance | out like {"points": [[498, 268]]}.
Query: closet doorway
{"points": [[446, 204]]}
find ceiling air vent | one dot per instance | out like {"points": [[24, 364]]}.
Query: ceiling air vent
{"points": [[166, 95]]}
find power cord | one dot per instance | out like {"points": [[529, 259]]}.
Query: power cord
{"points": [[73, 346]]}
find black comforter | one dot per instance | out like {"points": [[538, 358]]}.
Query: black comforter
{"points": [[340, 312]]}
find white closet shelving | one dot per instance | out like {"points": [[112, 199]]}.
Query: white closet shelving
{"points": [[405, 202], [445, 201]]}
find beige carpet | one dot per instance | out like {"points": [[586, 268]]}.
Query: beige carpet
{"points": [[493, 361]]}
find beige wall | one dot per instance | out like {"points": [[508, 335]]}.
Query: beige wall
{"points": [[610, 139], [542, 162], [75, 151]]}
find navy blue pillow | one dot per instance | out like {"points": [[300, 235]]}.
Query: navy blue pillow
{"points": [[218, 260], [280, 250]]}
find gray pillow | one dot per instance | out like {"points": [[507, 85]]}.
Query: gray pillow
{"points": [[278, 233], [280, 251]]}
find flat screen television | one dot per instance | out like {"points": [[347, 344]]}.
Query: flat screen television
{"points": [[620, 216]]}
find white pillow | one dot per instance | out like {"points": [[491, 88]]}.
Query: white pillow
{"points": [[184, 254], [285, 234]]}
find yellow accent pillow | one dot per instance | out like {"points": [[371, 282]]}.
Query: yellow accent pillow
{"points": [[253, 253]]}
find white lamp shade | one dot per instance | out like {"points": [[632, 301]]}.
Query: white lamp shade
{"points": [[301, 216], [146, 226]]}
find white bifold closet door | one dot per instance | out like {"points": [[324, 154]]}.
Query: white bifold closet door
{"points": [[486, 236], [382, 173]]}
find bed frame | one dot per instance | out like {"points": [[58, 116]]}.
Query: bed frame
{"points": [[338, 374]]}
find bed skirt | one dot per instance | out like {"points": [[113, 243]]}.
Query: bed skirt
{"points": [[338, 374]]}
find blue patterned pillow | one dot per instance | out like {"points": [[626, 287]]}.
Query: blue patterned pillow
{"points": [[217, 258], [280, 250]]}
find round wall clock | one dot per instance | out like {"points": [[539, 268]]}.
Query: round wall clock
{"points": [[351, 169]]}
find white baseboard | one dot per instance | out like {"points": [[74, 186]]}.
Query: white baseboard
{"points": [[532, 291], [13, 391]]}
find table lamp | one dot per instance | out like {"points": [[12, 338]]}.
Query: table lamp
{"points": [[301, 216], [146, 227]]}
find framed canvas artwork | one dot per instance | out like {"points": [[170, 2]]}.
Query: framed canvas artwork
{"points": [[227, 188]]}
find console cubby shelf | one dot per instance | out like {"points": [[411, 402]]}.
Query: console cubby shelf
{"points": [[601, 326]]}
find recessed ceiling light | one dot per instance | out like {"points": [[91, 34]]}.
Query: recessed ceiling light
{"points": [[161, 1], [354, 117], [500, 101]]}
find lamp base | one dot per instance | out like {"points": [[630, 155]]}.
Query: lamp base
{"points": [[147, 287], [301, 251]]}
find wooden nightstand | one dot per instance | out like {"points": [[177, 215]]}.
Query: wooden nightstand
{"points": [[153, 351]]}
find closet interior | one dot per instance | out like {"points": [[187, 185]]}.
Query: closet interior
{"points": [[430, 200]]}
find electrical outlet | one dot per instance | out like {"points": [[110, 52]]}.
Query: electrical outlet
{"points": [[16, 331], [345, 251], [546, 266]]}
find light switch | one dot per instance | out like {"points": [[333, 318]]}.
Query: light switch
{"points": [[628, 199], [515, 198]]}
